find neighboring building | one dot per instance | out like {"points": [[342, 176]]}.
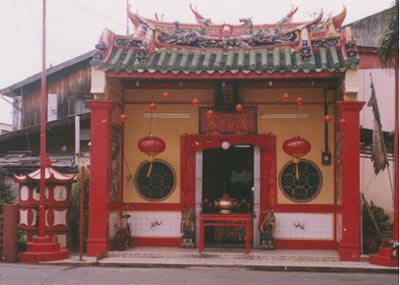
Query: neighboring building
{"points": [[242, 76], [368, 32], [68, 86], [5, 128]]}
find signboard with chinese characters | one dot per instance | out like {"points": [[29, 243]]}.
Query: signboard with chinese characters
{"points": [[228, 123]]}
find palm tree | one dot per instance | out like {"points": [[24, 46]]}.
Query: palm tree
{"points": [[388, 52], [389, 43]]}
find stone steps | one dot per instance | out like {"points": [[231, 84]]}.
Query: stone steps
{"points": [[278, 255]]}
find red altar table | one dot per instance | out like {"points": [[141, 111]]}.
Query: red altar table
{"points": [[235, 220]]}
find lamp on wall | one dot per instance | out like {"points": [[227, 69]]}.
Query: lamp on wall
{"points": [[225, 145]]}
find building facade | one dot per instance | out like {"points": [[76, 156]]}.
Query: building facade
{"points": [[184, 114]]}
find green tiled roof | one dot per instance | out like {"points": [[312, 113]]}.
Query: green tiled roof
{"points": [[155, 46], [233, 61]]}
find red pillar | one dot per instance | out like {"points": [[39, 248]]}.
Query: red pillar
{"points": [[349, 246], [100, 138]]}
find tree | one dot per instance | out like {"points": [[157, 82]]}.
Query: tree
{"points": [[389, 43], [75, 203], [6, 196]]}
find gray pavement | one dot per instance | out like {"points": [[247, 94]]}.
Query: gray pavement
{"points": [[267, 260]]}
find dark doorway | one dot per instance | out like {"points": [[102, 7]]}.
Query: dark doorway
{"points": [[229, 172]]}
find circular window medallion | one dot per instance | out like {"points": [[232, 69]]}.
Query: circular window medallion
{"points": [[159, 184], [303, 188]]}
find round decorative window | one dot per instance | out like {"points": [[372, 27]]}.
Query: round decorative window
{"points": [[156, 184], [302, 187]]}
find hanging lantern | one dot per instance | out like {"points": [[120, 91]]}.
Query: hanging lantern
{"points": [[327, 119], [342, 122], [123, 117], [210, 113], [165, 96], [152, 106], [285, 97], [151, 145], [296, 147], [299, 100], [195, 102], [239, 107]]}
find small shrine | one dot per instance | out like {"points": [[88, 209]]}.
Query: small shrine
{"points": [[53, 245]]}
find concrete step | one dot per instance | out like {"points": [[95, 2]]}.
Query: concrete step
{"points": [[229, 254], [36, 257]]}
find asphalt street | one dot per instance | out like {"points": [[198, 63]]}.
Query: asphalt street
{"points": [[21, 274]]}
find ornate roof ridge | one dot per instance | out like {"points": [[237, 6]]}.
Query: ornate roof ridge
{"points": [[243, 45], [284, 23]]}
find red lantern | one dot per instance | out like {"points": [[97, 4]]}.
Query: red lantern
{"points": [[210, 113], [151, 145], [239, 107], [296, 147], [123, 117], [299, 100], [152, 106], [195, 102], [342, 122], [165, 95], [327, 119], [285, 97]]}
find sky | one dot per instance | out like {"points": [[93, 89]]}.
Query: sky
{"points": [[73, 27]]}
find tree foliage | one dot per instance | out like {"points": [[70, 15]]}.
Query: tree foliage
{"points": [[389, 43], [75, 211], [6, 196]]}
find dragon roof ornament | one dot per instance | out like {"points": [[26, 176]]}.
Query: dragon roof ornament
{"points": [[303, 39]]}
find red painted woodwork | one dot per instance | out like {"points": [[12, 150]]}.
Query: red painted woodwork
{"points": [[100, 156], [349, 246], [305, 244], [217, 75], [9, 245], [50, 217], [157, 241], [190, 144], [212, 122], [233, 220]]}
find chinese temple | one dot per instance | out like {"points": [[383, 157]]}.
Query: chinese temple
{"points": [[227, 135]]}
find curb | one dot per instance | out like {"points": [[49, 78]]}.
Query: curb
{"points": [[288, 268]]}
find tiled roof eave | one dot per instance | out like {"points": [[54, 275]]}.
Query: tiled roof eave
{"points": [[235, 74], [198, 61]]}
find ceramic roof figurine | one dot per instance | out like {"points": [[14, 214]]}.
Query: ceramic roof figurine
{"points": [[316, 45]]}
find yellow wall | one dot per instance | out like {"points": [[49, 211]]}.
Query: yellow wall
{"points": [[169, 129], [268, 101]]}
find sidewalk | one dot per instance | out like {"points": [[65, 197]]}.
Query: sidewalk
{"points": [[275, 260]]}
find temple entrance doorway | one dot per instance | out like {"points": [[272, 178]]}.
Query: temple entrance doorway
{"points": [[227, 174]]}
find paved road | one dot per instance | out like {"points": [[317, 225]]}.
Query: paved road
{"points": [[17, 274]]}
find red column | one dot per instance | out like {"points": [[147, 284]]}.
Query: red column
{"points": [[349, 246], [100, 138]]}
